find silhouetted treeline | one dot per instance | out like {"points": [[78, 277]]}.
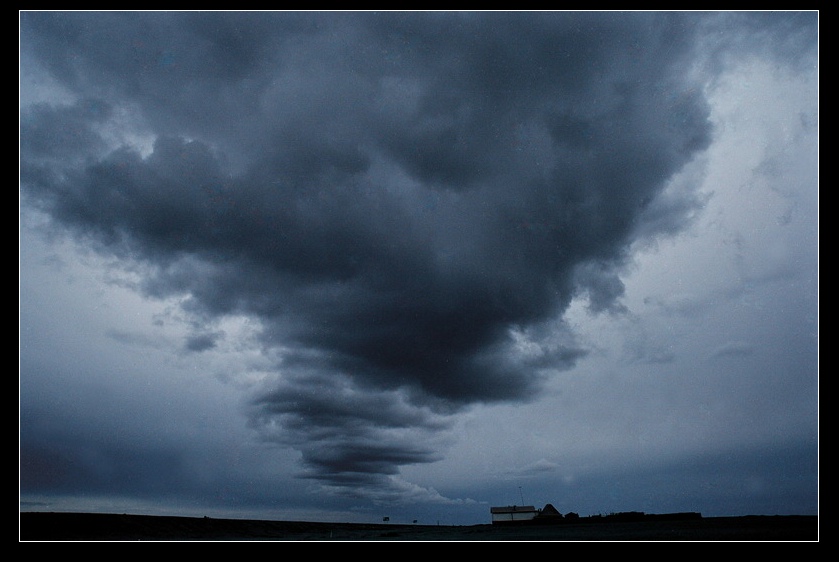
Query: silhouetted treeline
{"points": [[641, 516], [550, 516]]}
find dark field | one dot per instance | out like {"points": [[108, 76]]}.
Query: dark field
{"points": [[105, 527]]}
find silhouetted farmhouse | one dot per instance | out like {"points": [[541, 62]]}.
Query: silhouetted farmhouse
{"points": [[549, 513]]}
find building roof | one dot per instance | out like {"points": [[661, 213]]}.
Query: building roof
{"points": [[549, 509], [512, 509]]}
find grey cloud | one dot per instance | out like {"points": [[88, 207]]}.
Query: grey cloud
{"points": [[734, 349], [294, 160], [136, 339], [201, 342], [63, 132], [535, 469]]}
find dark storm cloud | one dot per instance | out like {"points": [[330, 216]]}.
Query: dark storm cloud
{"points": [[61, 458], [105, 468], [790, 36], [396, 198], [64, 133], [69, 458], [201, 342]]}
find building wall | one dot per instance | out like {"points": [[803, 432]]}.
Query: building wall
{"points": [[513, 514]]}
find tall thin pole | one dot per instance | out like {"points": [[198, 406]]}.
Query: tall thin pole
{"points": [[521, 496]]}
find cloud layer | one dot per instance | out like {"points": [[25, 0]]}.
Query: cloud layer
{"points": [[405, 203]]}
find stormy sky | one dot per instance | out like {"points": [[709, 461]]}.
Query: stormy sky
{"points": [[346, 265]]}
